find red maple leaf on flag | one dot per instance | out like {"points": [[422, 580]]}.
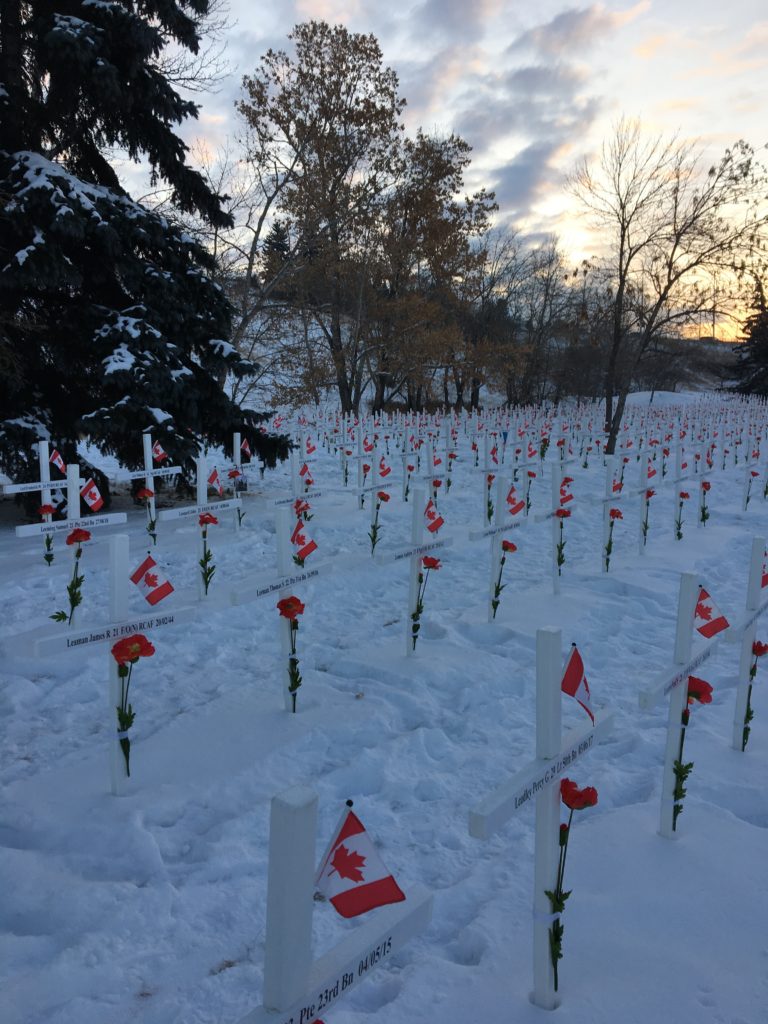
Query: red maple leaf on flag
{"points": [[348, 864], [703, 611], [150, 579]]}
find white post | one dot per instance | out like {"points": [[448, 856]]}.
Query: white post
{"points": [[556, 524], [754, 586], [374, 484], [678, 698], [45, 475], [417, 536], [360, 459], [201, 468], [237, 460], [497, 539], [149, 480], [548, 740], [119, 572], [284, 568], [73, 491], [290, 883]]}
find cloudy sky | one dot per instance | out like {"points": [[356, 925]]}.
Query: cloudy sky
{"points": [[534, 86]]}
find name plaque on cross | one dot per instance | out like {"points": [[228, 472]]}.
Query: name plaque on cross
{"points": [[35, 529], [198, 510], [332, 976], [113, 631], [496, 809]]}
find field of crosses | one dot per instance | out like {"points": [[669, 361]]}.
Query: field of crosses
{"points": [[389, 619]]}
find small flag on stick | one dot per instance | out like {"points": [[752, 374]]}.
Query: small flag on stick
{"points": [[152, 584], [352, 875], [575, 682], [709, 620]]}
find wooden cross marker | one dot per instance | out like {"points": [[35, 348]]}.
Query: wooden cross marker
{"points": [[675, 683], [748, 628], [297, 988], [539, 780]]}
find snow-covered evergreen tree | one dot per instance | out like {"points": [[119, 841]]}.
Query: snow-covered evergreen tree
{"points": [[109, 320]]}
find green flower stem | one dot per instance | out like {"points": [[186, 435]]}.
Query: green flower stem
{"points": [[748, 716], [499, 586], [294, 676], [207, 568], [125, 713], [557, 898], [681, 771]]}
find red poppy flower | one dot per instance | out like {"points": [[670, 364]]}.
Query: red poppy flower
{"points": [[563, 513], [699, 690], [649, 494], [437, 483], [430, 563], [46, 510], [755, 473], [759, 649], [577, 799], [626, 459], [705, 485], [78, 536], [452, 455], [131, 648], [561, 442], [684, 495], [382, 496], [366, 468], [206, 519], [290, 608], [665, 452], [507, 545], [491, 478], [531, 474], [615, 513], [145, 493], [410, 468], [566, 480], [233, 474]]}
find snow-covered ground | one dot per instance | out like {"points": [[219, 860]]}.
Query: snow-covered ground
{"points": [[151, 907]]}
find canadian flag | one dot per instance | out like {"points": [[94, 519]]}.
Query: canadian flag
{"points": [[158, 454], [531, 451], [367, 445], [708, 620], [310, 447], [651, 470], [575, 683], [494, 454], [302, 541], [352, 875], [433, 520], [90, 494], [246, 448], [514, 503], [384, 469], [764, 577], [304, 471], [565, 494], [436, 460], [215, 483], [57, 460], [153, 586]]}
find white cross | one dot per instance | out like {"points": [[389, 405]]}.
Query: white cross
{"points": [[539, 781]]}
